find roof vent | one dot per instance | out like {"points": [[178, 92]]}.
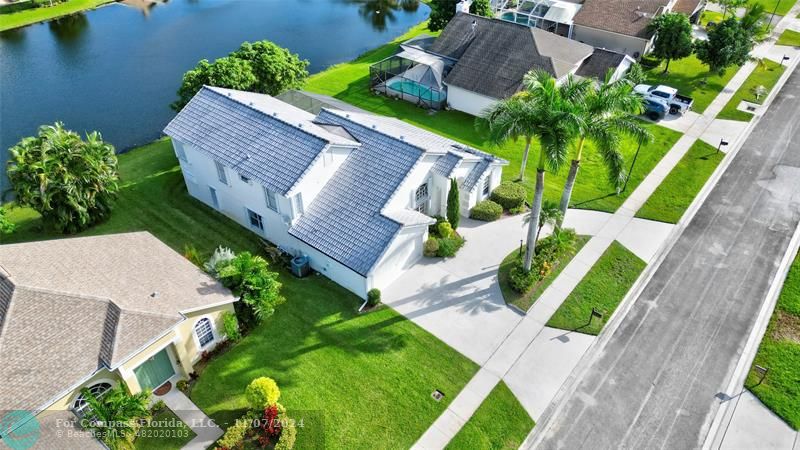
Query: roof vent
{"points": [[251, 103], [374, 126], [402, 138], [300, 125], [247, 156], [154, 294], [275, 114], [347, 115]]}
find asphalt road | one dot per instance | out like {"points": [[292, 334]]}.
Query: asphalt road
{"points": [[654, 385]]}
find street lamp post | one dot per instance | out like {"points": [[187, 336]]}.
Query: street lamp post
{"points": [[784, 59]]}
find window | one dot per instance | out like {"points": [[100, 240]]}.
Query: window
{"points": [[487, 185], [179, 152], [221, 173], [97, 390], [255, 220], [272, 203], [421, 198], [203, 331], [297, 205]]}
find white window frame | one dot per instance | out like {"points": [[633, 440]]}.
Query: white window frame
{"points": [[259, 219], [270, 199], [297, 205], [221, 175], [213, 334], [421, 196], [80, 410]]}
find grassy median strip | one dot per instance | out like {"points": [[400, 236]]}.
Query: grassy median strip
{"points": [[369, 377], [674, 195], [499, 423], [603, 288], [525, 301], [34, 15], [790, 38], [691, 77], [754, 90], [780, 353], [349, 82]]}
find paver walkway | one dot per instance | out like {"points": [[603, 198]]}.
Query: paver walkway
{"points": [[206, 430]]}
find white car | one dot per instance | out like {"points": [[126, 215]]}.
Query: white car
{"points": [[678, 104]]}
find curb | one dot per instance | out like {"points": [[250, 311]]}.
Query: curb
{"points": [[569, 386]]}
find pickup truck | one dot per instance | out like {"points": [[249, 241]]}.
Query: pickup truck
{"points": [[678, 104]]}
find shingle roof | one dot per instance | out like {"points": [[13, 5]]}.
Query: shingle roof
{"points": [[256, 135], [597, 65], [687, 7], [446, 164], [345, 221], [627, 17], [75, 305], [494, 55]]}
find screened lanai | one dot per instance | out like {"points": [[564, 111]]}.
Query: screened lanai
{"points": [[554, 16], [412, 75]]}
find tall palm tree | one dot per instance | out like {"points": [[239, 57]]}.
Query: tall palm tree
{"points": [[540, 111], [606, 112], [115, 416]]}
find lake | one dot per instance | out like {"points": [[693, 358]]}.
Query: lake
{"points": [[116, 69]]}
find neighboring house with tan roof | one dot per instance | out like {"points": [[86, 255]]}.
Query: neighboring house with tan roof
{"points": [[92, 312], [352, 191]]}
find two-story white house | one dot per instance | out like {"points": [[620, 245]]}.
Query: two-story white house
{"points": [[353, 191]]}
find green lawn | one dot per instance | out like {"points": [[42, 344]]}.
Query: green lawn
{"points": [[350, 83], [764, 75], [368, 377], [164, 432], [780, 353], [688, 76], [603, 288], [769, 5], [29, 16], [525, 301], [710, 16], [499, 423], [789, 37], [676, 192]]}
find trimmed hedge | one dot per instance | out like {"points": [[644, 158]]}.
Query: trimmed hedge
{"points": [[373, 297], [510, 195], [487, 210]]}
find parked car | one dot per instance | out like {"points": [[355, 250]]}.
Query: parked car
{"points": [[655, 110], [678, 104]]}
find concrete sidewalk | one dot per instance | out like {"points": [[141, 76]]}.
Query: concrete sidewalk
{"points": [[755, 426], [206, 430]]}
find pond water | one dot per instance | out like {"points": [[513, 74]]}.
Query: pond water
{"points": [[116, 69]]}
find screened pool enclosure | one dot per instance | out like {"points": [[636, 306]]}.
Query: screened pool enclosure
{"points": [[412, 75]]}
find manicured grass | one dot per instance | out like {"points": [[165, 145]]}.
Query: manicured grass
{"points": [[367, 377], [350, 82], [780, 353], [710, 16], [603, 288], [688, 76], [499, 423], [789, 37], [676, 192], [525, 301], [769, 6], [164, 432], [29, 16], [764, 75]]}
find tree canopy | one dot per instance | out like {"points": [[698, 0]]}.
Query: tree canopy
{"points": [[71, 182], [728, 44], [249, 277], [441, 13], [261, 66], [481, 8], [673, 37]]}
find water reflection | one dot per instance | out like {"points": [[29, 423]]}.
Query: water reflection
{"points": [[14, 36], [380, 13], [69, 29], [145, 6]]}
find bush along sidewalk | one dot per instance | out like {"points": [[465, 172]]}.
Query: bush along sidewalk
{"points": [[443, 241], [511, 196]]}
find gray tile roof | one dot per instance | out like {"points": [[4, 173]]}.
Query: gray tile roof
{"points": [[475, 175], [345, 220], [446, 164], [494, 55], [597, 65], [255, 135], [71, 306]]}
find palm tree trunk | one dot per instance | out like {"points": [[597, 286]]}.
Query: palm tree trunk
{"points": [[524, 159], [566, 195], [533, 224]]}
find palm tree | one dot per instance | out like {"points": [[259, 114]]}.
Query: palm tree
{"points": [[549, 215], [115, 416], [540, 111], [606, 112]]}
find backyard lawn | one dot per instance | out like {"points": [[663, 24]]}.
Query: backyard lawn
{"points": [[678, 190], [164, 432], [525, 301], [29, 16], [789, 37], [688, 76], [603, 288], [765, 75], [350, 82], [499, 423], [368, 377], [780, 353]]}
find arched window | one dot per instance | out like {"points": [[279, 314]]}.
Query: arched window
{"points": [[205, 335], [97, 390]]}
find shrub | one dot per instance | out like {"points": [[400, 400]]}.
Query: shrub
{"points": [[519, 280], [510, 195], [453, 204], [182, 385], [431, 247], [191, 253], [158, 407], [445, 230], [373, 297], [487, 211], [433, 230], [231, 326], [220, 256], [270, 425], [449, 246], [235, 434], [288, 434], [6, 225], [262, 392], [249, 277]]}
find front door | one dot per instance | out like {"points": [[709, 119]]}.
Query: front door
{"points": [[155, 371]]}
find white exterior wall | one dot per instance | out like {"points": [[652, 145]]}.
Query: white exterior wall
{"points": [[610, 41], [404, 251], [468, 101], [404, 196]]}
